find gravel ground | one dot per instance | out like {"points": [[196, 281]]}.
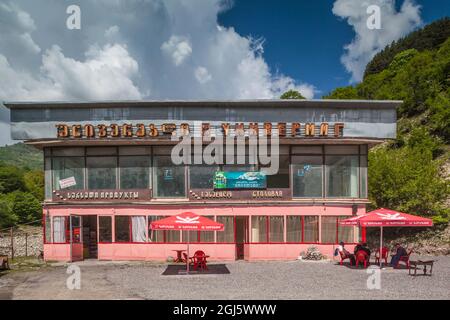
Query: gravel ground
{"points": [[247, 280]]}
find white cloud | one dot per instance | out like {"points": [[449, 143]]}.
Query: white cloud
{"points": [[16, 26], [150, 49], [106, 73], [178, 48], [202, 75], [394, 25]]}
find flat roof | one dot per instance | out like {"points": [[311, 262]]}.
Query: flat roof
{"points": [[381, 104]]}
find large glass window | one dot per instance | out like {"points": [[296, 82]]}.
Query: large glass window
{"points": [[67, 167], [307, 176], [101, 172], [169, 178], [311, 229], [138, 232], [202, 176], [342, 176], [345, 233], [259, 229], [207, 236], [173, 236], [363, 175], [122, 228], [134, 172], [105, 229], [48, 229], [155, 235], [281, 178], [276, 229], [329, 229], [60, 230], [227, 235], [293, 228]]}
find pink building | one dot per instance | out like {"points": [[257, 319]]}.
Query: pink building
{"points": [[113, 167]]}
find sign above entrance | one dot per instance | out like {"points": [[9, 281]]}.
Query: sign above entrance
{"points": [[199, 129]]}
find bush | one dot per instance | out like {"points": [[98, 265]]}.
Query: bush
{"points": [[408, 178]]}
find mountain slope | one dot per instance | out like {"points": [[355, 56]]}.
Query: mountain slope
{"points": [[22, 156]]}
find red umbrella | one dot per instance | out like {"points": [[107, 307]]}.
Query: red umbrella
{"points": [[187, 221], [387, 218]]}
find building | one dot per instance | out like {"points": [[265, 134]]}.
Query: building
{"points": [[110, 171]]}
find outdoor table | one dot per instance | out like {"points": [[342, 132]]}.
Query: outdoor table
{"points": [[416, 264], [179, 256]]}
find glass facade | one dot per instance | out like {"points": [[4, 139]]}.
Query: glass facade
{"points": [[101, 172], [169, 179], [309, 171], [307, 176]]}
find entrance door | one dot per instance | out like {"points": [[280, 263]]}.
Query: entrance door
{"points": [[241, 236], [76, 246], [90, 244]]}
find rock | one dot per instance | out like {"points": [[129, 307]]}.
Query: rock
{"points": [[313, 253]]}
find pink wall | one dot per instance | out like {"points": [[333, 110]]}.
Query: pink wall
{"points": [[61, 252], [160, 251], [329, 210]]}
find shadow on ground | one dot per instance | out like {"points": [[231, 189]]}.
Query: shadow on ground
{"points": [[176, 269]]}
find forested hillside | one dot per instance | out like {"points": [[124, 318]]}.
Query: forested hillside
{"points": [[21, 184], [411, 173]]}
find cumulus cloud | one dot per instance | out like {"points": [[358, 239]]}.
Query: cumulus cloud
{"points": [[16, 27], [178, 48], [367, 42], [202, 75], [150, 49], [106, 73]]}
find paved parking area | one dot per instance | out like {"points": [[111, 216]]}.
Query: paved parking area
{"points": [[247, 280]]}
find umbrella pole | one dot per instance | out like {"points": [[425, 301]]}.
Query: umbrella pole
{"points": [[187, 260], [381, 246]]}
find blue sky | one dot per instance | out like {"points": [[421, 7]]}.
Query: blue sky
{"points": [[304, 38], [192, 49]]}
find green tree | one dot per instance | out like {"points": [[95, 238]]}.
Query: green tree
{"points": [[34, 183], [7, 217], [349, 93], [408, 178], [11, 179], [25, 206], [292, 94]]}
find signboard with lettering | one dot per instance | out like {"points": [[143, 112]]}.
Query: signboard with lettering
{"points": [[239, 180], [67, 182], [205, 130], [240, 195], [102, 195]]}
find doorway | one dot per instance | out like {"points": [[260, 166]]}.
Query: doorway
{"points": [[241, 236], [90, 244]]}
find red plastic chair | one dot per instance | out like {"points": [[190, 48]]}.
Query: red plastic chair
{"points": [[200, 260], [405, 259], [384, 255], [343, 257], [361, 257]]}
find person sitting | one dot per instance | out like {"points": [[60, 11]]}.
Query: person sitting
{"points": [[399, 252], [357, 248], [345, 254], [366, 249]]}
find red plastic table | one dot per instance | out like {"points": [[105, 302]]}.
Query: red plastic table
{"points": [[179, 256]]}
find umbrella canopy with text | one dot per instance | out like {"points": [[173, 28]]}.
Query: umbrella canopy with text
{"points": [[387, 218], [187, 221]]}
